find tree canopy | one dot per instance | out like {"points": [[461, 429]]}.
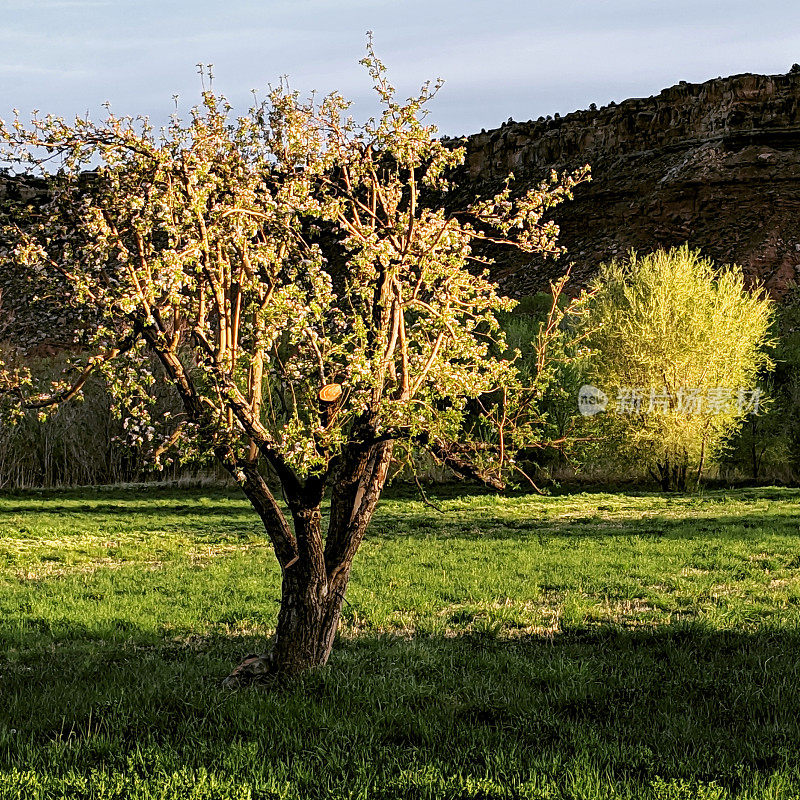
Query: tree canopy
{"points": [[678, 347]]}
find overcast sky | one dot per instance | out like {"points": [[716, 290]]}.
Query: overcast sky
{"points": [[499, 59]]}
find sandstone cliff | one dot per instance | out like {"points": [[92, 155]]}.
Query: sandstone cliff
{"points": [[715, 164]]}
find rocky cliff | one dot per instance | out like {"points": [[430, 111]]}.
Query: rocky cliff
{"points": [[715, 164]]}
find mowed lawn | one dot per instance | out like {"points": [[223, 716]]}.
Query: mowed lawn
{"points": [[588, 645]]}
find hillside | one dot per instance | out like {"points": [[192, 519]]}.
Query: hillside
{"points": [[714, 164]]}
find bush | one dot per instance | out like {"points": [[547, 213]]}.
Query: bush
{"points": [[678, 347], [768, 445], [559, 426]]}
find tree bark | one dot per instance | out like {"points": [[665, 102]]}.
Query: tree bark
{"points": [[306, 629], [314, 583], [311, 605], [307, 623]]}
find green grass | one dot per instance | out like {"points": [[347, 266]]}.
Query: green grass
{"points": [[580, 646]]}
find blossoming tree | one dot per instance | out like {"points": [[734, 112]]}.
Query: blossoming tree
{"points": [[296, 279]]}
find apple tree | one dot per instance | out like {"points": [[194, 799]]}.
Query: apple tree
{"points": [[297, 280]]}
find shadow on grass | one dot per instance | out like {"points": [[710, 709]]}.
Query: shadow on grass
{"points": [[680, 702], [493, 523], [178, 508]]}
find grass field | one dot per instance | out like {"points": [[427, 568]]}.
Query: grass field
{"points": [[580, 646]]}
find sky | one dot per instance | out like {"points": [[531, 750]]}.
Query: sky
{"points": [[499, 59]]}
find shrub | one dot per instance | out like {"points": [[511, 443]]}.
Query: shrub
{"points": [[678, 347]]}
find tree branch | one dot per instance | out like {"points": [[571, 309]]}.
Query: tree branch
{"points": [[62, 397]]}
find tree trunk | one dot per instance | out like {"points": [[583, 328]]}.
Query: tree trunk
{"points": [[664, 475], [308, 619], [702, 463], [673, 473], [755, 462], [681, 472], [307, 623], [315, 579]]}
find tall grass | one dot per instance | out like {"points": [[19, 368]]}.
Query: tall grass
{"points": [[81, 443]]}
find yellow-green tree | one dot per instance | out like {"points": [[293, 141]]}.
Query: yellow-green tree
{"points": [[678, 346]]}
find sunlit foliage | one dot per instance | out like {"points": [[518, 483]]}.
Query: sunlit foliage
{"points": [[678, 346]]}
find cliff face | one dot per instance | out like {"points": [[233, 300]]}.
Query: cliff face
{"points": [[715, 164]]}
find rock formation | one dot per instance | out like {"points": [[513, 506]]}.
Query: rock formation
{"points": [[715, 164]]}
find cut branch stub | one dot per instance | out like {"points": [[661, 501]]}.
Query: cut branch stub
{"points": [[330, 393]]}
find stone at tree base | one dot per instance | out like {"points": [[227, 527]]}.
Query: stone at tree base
{"points": [[251, 670]]}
